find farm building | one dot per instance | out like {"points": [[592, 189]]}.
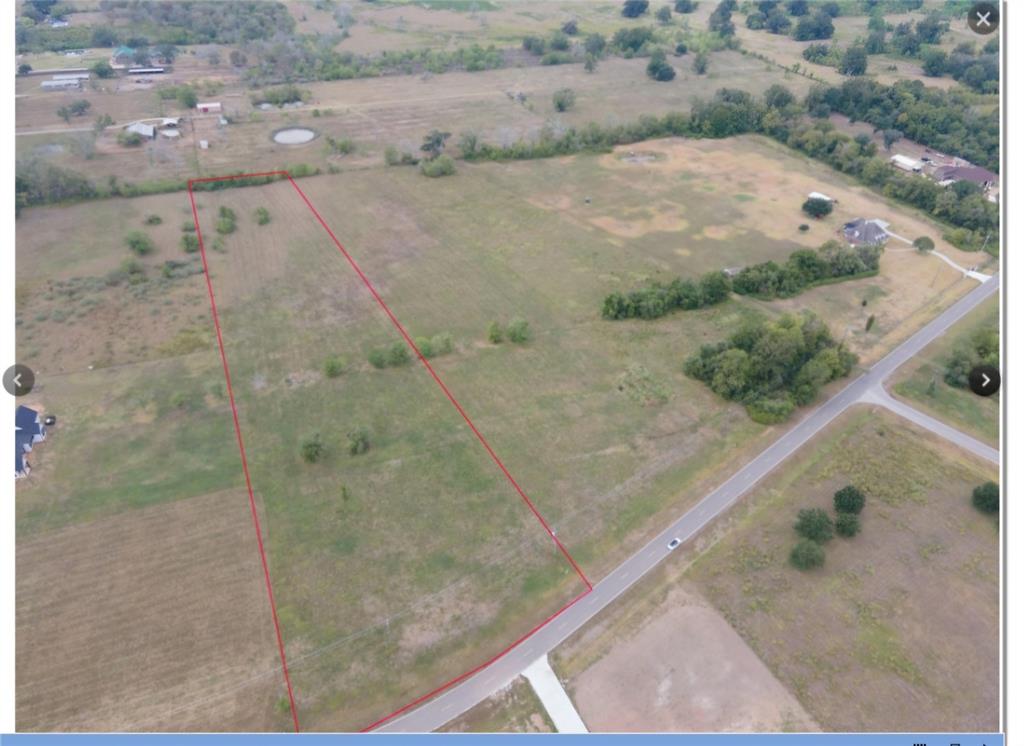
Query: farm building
{"points": [[862, 232], [122, 56], [71, 76], [906, 163], [145, 130], [28, 430], [145, 70], [209, 107], [819, 195], [61, 85], [947, 175]]}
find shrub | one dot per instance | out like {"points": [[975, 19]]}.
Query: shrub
{"points": [[190, 243], [700, 63], [398, 354], [153, 220], [358, 441], [519, 330], [378, 358], [849, 499], [685, 6], [924, 244], [804, 227], [139, 243], [986, 497], [312, 449], [262, 216], [807, 555], [495, 334], [334, 366], [658, 69], [226, 220], [634, 8], [564, 99], [129, 139], [664, 14], [814, 524], [817, 208], [443, 165], [847, 525]]}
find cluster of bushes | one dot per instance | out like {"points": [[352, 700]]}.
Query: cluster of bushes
{"points": [[262, 216], [342, 146], [314, 449], [816, 527], [185, 94], [805, 268], [443, 165], [139, 243], [657, 299], [517, 331], [981, 348], [439, 344], [979, 72], [394, 355], [286, 94], [190, 243], [334, 366], [773, 366], [226, 221], [564, 99]]}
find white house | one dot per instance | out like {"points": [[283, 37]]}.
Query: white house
{"points": [[145, 130], [28, 430], [209, 107]]}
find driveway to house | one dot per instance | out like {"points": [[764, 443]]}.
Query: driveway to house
{"points": [[865, 389]]}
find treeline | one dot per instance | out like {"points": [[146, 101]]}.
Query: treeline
{"points": [[947, 121], [773, 366], [657, 299], [981, 348], [805, 268], [37, 182], [306, 58], [194, 22]]}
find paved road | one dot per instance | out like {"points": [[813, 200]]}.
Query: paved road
{"points": [[455, 701]]}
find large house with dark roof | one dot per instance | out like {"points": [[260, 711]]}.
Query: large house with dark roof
{"points": [[861, 232], [28, 430], [974, 174]]}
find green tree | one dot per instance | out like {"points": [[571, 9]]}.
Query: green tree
{"points": [[187, 97], [24, 68], [262, 216], [807, 555], [986, 497], [64, 113], [854, 61], [659, 69], [190, 243], [814, 524], [933, 63], [848, 525], [685, 6], [564, 99], [495, 334], [398, 354], [312, 449], [519, 330], [700, 63], [594, 44], [817, 208], [102, 69], [664, 15], [590, 64], [433, 143], [139, 243], [849, 499], [634, 8], [924, 244], [334, 366], [358, 441]]}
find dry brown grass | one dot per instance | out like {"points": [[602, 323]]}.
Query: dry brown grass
{"points": [[156, 619]]}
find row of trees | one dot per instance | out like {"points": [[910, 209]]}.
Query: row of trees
{"points": [[773, 366], [805, 268], [657, 299]]}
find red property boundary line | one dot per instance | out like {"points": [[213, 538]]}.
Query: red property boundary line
{"points": [[447, 392]]}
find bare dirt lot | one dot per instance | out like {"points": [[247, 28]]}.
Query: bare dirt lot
{"points": [[515, 709], [685, 670], [156, 619]]}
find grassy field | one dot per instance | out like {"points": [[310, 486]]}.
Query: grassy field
{"points": [[922, 544], [404, 554], [959, 407]]}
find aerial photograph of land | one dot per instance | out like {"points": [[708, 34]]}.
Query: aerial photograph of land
{"points": [[507, 366]]}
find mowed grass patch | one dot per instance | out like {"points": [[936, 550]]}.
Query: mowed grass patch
{"points": [[921, 379], [395, 568], [848, 639]]}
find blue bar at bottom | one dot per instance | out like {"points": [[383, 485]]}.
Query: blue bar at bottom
{"points": [[465, 739]]}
